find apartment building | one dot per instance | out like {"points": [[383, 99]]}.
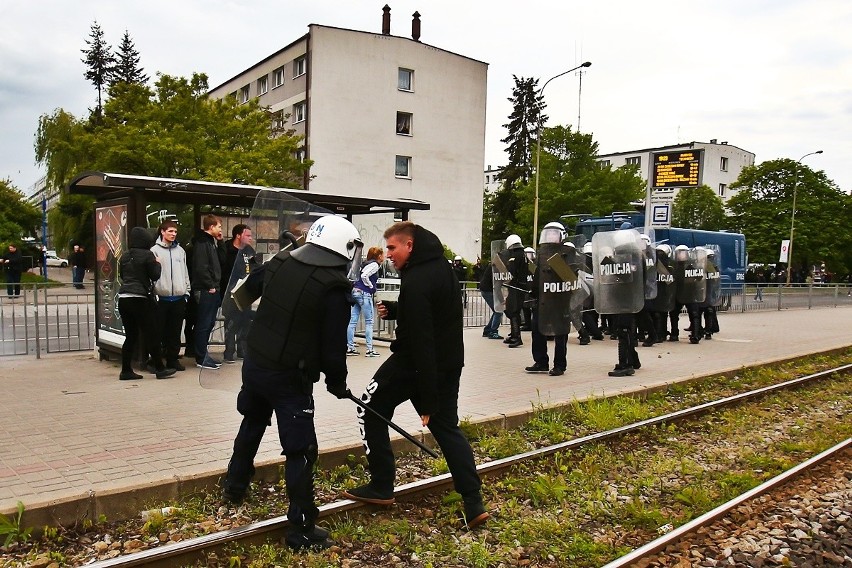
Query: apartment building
{"points": [[383, 116]]}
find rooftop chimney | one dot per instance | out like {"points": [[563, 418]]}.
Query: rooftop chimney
{"points": [[415, 26], [386, 20]]}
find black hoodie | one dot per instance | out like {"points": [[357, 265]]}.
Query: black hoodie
{"points": [[429, 318], [138, 267]]}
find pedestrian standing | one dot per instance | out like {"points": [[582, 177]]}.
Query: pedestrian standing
{"points": [[77, 259], [486, 287], [240, 254], [424, 367], [206, 274], [13, 265], [363, 292], [172, 289], [299, 331]]}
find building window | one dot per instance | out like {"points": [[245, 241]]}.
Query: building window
{"points": [[403, 166], [605, 163], [263, 85], [278, 77], [723, 165], [637, 160], [403, 123], [299, 66], [723, 188], [406, 80], [301, 155], [278, 120], [234, 95], [244, 94], [299, 112]]}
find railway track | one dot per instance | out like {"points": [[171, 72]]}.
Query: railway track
{"points": [[196, 550]]}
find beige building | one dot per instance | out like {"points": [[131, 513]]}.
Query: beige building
{"points": [[383, 116]]}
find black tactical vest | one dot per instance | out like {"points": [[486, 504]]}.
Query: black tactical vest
{"points": [[285, 330]]}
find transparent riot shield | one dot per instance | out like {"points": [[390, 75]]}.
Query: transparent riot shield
{"points": [[666, 286], [500, 275], [649, 256], [713, 294], [617, 261], [692, 283], [557, 280], [279, 222]]}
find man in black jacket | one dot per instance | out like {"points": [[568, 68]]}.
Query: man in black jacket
{"points": [[206, 274], [13, 263], [425, 367]]}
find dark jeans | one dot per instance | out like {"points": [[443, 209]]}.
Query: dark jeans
{"points": [[13, 283], [393, 384], [170, 316], [263, 392], [139, 316], [208, 305], [493, 325], [77, 274], [539, 347]]}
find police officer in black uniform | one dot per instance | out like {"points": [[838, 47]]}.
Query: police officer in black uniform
{"points": [[517, 263], [298, 332]]}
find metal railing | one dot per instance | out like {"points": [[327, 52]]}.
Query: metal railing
{"points": [[783, 297], [46, 318]]}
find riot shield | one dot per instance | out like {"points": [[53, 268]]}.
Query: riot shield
{"points": [[617, 269], [557, 280], [649, 256], [666, 286], [500, 275], [692, 284], [713, 294], [278, 222]]}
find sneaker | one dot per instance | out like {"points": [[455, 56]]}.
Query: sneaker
{"points": [[495, 335], [176, 365], [372, 353], [352, 352], [299, 539], [368, 494], [129, 376], [556, 372], [536, 368], [165, 373], [208, 363]]}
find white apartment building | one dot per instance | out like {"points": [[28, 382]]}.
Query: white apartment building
{"points": [[383, 116], [492, 179]]}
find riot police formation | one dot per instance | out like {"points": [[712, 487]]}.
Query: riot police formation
{"points": [[619, 289], [298, 332], [516, 291]]}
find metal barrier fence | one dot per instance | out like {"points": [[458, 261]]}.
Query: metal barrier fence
{"points": [[46, 319], [51, 319]]}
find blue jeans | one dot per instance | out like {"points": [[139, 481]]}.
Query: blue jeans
{"points": [[493, 325], [363, 303], [208, 305]]}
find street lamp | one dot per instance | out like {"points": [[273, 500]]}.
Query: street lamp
{"points": [[538, 149], [793, 219]]}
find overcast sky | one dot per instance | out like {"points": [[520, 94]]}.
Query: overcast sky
{"points": [[773, 77]]}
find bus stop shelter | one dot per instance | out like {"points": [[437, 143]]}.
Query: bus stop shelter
{"points": [[121, 202]]}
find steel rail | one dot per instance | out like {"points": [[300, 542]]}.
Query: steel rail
{"points": [[165, 555], [658, 545]]}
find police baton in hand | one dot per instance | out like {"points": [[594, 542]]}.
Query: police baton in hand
{"points": [[405, 434]]}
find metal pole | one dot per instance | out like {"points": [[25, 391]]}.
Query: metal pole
{"points": [[538, 149], [405, 434], [793, 217]]}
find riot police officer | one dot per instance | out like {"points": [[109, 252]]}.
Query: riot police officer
{"points": [[298, 332], [518, 289]]}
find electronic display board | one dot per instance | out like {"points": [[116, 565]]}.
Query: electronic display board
{"points": [[677, 169]]}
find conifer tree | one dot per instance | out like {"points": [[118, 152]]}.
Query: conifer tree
{"points": [[99, 62], [127, 68]]}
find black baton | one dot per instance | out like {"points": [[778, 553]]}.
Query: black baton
{"points": [[405, 434]]}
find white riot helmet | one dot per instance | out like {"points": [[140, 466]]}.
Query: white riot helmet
{"points": [[646, 239], [530, 252], [457, 258], [553, 232], [665, 249], [587, 248], [337, 235], [513, 241], [681, 253], [710, 252]]}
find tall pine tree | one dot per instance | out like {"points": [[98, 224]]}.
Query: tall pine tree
{"points": [[99, 62], [523, 126], [127, 68]]}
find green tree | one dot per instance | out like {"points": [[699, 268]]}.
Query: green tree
{"points": [[698, 208], [99, 62], [127, 68], [763, 207], [18, 217], [523, 125], [573, 182]]}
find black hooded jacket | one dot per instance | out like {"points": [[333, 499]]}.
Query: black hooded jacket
{"points": [[138, 267], [429, 318]]}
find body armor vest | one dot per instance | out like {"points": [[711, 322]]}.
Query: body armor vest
{"points": [[284, 333]]}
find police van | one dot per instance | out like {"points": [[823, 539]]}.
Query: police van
{"points": [[730, 247]]}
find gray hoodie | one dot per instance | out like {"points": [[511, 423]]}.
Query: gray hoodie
{"points": [[174, 279]]}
